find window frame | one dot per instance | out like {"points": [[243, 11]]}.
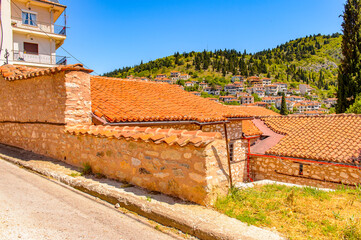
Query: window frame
{"points": [[29, 19], [32, 53]]}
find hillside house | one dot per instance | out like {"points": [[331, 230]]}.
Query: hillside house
{"points": [[266, 81], [184, 77], [214, 91], [228, 99], [305, 89], [203, 85], [330, 102], [175, 74], [238, 78], [271, 90], [32, 31], [282, 87], [247, 99], [189, 84], [159, 76]]}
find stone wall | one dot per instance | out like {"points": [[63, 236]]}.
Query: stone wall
{"points": [[61, 98], [35, 113], [313, 174], [192, 173]]}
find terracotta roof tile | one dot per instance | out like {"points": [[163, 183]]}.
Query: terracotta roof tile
{"points": [[168, 136], [255, 111], [124, 100], [249, 129], [14, 72], [335, 138]]}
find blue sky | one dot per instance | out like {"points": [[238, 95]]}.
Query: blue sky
{"points": [[107, 34]]}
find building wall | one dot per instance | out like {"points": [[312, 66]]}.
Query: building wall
{"points": [[37, 111], [234, 130], [318, 175], [61, 98]]}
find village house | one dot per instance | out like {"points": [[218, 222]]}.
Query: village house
{"points": [[203, 85], [228, 99], [33, 31], [247, 99], [214, 91], [305, 89], [269, 100], [175, 74], [271, 90], [330, 102], [289, 104], [184, 77], [165, 80], [282, 87], [189, 84], [237, 78], [266, 81], [159, 76]]}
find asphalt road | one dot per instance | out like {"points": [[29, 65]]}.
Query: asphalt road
{"points": [[32, 207]]}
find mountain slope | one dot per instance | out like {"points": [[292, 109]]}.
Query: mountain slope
{"points": [[311, 59]]}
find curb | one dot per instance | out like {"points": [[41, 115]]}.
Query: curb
{"points": [[190, 218]]}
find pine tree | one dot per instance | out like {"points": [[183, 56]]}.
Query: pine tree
{"points": [[349, 72], [284, 110]]}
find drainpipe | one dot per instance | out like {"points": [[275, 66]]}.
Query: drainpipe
{"points": [[248, 159], [228, 156]]}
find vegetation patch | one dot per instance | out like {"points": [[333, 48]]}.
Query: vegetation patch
{"points": [[298, 213]]}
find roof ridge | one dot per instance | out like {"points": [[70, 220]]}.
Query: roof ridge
{"points": [[155, 135], [12, 72]]}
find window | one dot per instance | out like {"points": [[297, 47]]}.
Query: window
{"points": [[29, 18], [31, 48]]}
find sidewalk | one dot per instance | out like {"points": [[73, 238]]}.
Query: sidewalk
{"points": [[190, 218]]}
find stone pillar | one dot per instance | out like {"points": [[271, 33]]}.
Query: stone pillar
{"points": [[78, 99]]}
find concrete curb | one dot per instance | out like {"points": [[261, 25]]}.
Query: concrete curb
{"points": [[190, 218]]}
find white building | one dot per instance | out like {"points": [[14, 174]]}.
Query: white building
{"points": [[30, 33]]}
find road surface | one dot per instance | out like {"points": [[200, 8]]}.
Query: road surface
{"points": [[32, 207]]}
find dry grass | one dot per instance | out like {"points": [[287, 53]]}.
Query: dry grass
{"points": [[297, 213]]}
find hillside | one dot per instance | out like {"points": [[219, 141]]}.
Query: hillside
{"points": [[311, 59]]}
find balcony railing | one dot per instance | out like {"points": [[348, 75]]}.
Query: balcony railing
{"points": [[47, 59], [40, 26]]}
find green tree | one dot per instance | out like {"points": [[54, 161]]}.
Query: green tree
{"points": [[283, 105], [256, 98], [356, 107], [349, 72]]}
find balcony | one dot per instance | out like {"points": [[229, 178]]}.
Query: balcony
{"points": [[39, 59], [39, 26]]}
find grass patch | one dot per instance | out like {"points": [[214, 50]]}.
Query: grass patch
{"points": [[87, 169], [75, 174], [298, 213]]}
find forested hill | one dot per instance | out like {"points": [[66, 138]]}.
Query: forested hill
{"points": [[311, 59]]}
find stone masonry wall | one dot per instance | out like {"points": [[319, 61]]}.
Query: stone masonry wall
{"points": [[195, 174], [234, 130], [61, 98], [318, 175]]}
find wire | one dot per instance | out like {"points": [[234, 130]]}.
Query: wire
{"points": [[55, 40]]}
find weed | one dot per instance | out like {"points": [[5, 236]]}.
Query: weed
{"points": [[149, 199], [87, 169], [75, 174]]}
